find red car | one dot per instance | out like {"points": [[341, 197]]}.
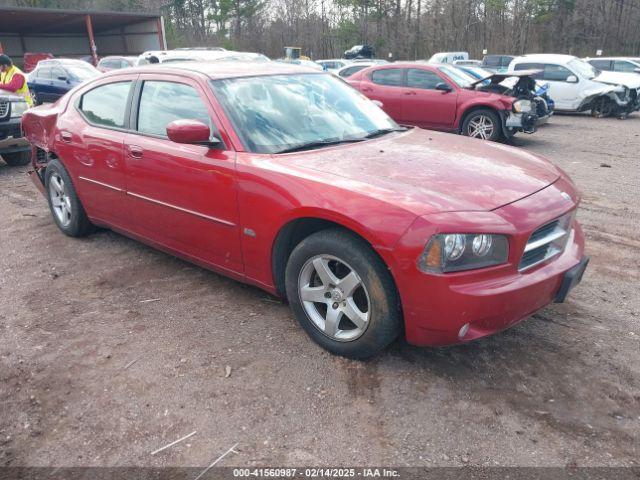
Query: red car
{"points": [[443, 97], [290, 180]]}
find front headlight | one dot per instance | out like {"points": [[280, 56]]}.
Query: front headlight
{"points": [[18, 108], [454, 252], [522, 106]]}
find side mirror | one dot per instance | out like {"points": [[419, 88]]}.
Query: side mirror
{"points": [[572, 79], [378, 103], [636, 70], [191, 132], [64, 79], [443, 87]]}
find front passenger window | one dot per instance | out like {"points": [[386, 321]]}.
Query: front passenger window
{"points": [[422, 79], [163, 102], [556, 73]]}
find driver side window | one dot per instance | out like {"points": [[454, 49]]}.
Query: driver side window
{"points": [[162, 102]]}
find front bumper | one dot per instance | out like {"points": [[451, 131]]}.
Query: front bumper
{"points": [[11, 139], [489, 300], [521, 122]]}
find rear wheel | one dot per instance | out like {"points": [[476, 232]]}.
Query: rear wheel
{"points": [[342, 294], [483, 124], [17, 159], [65, 206]]}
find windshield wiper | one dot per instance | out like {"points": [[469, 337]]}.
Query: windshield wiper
{"points": [[327, 143], [384, 131], [318, 144]]}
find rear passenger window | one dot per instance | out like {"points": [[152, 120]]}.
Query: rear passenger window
{"points": [[106, 105], [601, 64], [44, 73], [422, 79], [531, 66], [163, 102], [388, 76]]}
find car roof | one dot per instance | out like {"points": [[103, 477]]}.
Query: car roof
{"points": [[62, 61], [545, 57], [220, 70], [633, 59]]}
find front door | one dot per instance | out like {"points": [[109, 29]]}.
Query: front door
{"points": [[386, 85], [183, 197], [425, 106]]}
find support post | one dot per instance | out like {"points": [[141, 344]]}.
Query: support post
{"points": [[92, 42], [161, 39]]}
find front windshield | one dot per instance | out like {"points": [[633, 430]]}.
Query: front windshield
{"points": [[583, 69], [281, 112], [462, 79], [82, 72]]}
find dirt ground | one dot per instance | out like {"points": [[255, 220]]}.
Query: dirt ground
{"points": [[110, 350]]}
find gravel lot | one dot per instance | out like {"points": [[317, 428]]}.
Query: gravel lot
{"points": [[110, 350]]}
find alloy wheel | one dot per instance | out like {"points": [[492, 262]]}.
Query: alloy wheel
{"points": [[480, 126], [334, 297], [60, 200]]}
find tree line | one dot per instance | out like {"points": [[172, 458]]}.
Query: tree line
{"points": [[397, 29]]}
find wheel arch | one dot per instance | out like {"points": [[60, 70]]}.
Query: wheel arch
{"points": [[472, 108], [297, 229]]}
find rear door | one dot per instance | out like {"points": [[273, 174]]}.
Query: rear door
{"points": [[386, 85], [92, 143], [181, 196], [425, 106]]}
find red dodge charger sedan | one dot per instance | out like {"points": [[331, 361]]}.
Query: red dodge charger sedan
{"points": [[289, 179]]}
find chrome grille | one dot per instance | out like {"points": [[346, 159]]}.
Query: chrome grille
{"points": [[547, 241], [4, 109]]}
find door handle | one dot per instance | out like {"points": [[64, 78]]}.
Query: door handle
{"points": [[367, 89], [411, 92], [135, 151], [66, 137]]}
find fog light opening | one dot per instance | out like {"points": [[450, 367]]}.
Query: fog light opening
{"points": [[463, 331]]}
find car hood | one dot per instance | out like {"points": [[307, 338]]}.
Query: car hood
{"points": [[428, 172], [629, 80]]}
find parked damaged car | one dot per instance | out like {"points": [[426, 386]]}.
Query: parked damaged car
{"points": [[577, 86], [369, 230], [443, 97]]}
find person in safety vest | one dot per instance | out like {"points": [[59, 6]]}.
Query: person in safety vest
{"points": [[13, 80]]}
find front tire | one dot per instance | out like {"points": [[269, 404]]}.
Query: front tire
{"points": [[17, 159], [342, 294], [483, 124], [65, 206]]}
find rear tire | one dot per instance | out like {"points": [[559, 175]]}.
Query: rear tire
{"points": [[65, 206], [17, 159], [482, 123], [342, 294]]}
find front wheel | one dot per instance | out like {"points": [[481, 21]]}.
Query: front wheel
{"points": [[602, 107], [17, 159], [65, 206], [483, 124], [342, 294]]}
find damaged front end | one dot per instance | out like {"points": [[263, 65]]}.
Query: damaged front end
{"points": [[617, 101], [532, 106]]}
